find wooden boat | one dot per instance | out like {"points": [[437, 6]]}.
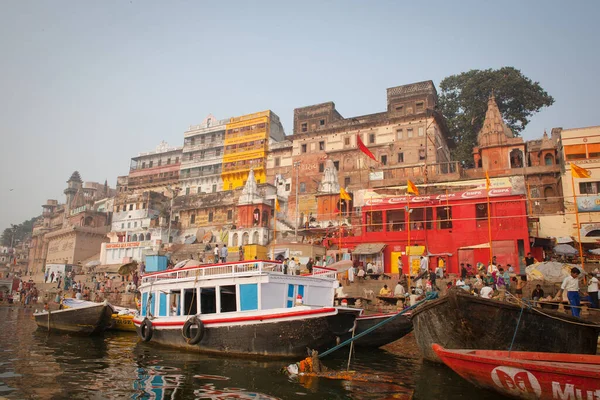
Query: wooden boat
{"points": [[248, 308], [87, 319], [527, 375], [122, 319], [388, 333], [462, 321]]}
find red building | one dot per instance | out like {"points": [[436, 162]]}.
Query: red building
{"points": [[451, 226]]}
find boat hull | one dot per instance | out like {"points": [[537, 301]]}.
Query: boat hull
{"points": [[388, 333], [526, 375], [85, 320], [462, 321], [274, 339], [122, 323]]}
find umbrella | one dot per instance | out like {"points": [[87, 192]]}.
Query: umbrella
{"points": [[595, 251], [93, 263], [565, 250], [190, 240], [128, 268], [181, 264], [341, 266]]}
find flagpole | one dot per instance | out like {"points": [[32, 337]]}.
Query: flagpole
{"points": [[489, 215], [577, 219], [408, 247], [274, 233]]}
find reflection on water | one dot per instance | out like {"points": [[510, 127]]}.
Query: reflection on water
{"points": [[35, 364]]}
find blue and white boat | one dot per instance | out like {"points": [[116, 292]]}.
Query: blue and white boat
{"points": [[242, 308]]}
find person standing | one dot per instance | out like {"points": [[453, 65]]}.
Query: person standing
{"points": [[241, 253], [309, 265], [463, 271], [52, 277], [529, 260], [216, 251], [351, 274], [571, 285], [400, 265], [292, 267], [224, 254], [593, 292]]}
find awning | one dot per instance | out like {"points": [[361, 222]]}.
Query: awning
{"points": [[369, 248], [476, 246], [564, 240], [541, 242]]}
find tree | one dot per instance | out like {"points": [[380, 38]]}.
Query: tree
{"points": [[17, 232], [463, 102]]}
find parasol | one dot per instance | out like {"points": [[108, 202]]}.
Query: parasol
{"points": [[128, 268], [181, 264], [341, 266], [595, 251]]}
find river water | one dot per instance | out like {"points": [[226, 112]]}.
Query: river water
{"points": [[38, 365]]}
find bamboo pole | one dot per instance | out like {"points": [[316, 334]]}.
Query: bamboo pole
{"points": [[489, 215], [408, 247], [577, 221]]}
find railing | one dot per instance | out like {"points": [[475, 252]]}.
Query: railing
{"points": [[324, 272], [216, 271]]}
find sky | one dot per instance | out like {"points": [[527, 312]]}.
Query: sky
{"points": [[87, 85]]}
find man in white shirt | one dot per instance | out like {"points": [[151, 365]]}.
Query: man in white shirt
{"points": [[292, 267], [217, 254], [399, 290], [593, 291], [424, 265], [571, 285], [486, 291]]}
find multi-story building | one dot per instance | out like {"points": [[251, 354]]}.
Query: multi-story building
{"points": [[579, 146], [202, 157], [155, 169], [408, 140], [246, 143]]}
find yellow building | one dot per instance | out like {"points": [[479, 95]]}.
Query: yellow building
{"points": [[245, 147]]}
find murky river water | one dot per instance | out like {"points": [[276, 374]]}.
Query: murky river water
{"points": [[36, 365]]}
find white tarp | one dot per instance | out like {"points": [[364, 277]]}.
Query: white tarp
{"points": [[550, 271]]}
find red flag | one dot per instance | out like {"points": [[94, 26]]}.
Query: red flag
{"points": [[363, 148]]}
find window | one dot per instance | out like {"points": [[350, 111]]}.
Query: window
{"points": [[384, 159], [135, 224], [399, 133], [190, 302], [210, 216], [589, 187], [176, 160], [131, 207], [575, 151], [322, 122], [118, 208], [409, 132], [143, 206], [549, 160], [187, 191], [277, 161], [371, 138], [374, 221], [217, 152], [400, 157], [303, 148], [304, 127], [336, 164], [302, 187], [421, 131], [229, 215], [168, 161], [287, 187], [347, 141], [193, 219], [400, 109], [150, 164], [347, 181], [421, 154], [214, 188], [159, 163], [420, 106], [123, 225], [321, 167], [128, 225], [322, 146], [208, 300], [481, 211], [444, 217], [395, 220], [228, 298], [143, 165]]}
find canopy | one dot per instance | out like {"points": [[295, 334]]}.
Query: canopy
{"points": [[341, 266], [565, 250], [369, 248]]}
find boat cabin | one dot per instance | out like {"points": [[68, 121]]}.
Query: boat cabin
{"points": [[233, 288]]}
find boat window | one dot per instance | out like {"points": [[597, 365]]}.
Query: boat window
{"points": [[248, 296], [152, 308], [162, 304], [175, 303], [144, 304], [228, 298], [190, 302], [208, 300]]}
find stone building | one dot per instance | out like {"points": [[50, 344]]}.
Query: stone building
{"points": [[156, 169], [408, 140]]}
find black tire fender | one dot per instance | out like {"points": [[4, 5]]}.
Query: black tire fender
{"points": [[187, 329], [146, 330]]}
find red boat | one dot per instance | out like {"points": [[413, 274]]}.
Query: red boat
{"points": [[527, 375]]}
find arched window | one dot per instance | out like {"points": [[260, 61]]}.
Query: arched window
{"points": [[549, 192], [245, 238], [516, 158], [265, 218], [148, 236], [134, 238], [548, 159], [234, 240], [255, 217], [255, 238], [594, 233]]}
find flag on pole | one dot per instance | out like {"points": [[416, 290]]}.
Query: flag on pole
{"points": [[277, 208], [344, 195], [487, 181], [411, 188], [363, 148], [579, 172]]}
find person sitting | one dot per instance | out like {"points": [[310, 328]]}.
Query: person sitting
{"points": [[486, 292], [385, 291], [537, 293], [399, 290], [361, 273]]}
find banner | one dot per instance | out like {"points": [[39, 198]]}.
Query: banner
{"points": [[588, 203]]}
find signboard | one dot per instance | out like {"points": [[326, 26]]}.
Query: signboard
{"points": [[469, 194], [376, 176], [588, 203], [122, 245]]}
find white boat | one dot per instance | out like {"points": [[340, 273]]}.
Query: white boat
{"points": [[242, 308]]}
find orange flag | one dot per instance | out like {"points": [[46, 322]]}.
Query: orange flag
{"points": [[411, 188]]}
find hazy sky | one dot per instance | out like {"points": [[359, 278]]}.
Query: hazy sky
{"points": [[87, 85]]}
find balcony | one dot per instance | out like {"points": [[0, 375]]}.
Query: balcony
{"points": [[441, 172], [152, 181], [209, 144], [197, 174]]}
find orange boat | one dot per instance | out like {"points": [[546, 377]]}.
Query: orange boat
{"points": [[527, 375]]}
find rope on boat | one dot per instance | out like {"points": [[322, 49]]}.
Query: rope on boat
{"points": [[538, 310], [516, 329], [430, 296]]}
